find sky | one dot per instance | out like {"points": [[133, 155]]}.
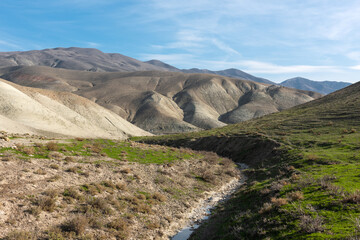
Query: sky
{"points": [[273, 39]]}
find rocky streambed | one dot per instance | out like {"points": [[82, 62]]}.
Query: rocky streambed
{"points": [[202, 210]]}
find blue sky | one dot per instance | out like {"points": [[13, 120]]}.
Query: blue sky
{"points": [[274, 39]]}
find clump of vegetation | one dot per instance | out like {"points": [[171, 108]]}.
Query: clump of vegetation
{"points": [[160, 197], [77, 225], [52, 146], [266, 208], [109, 184], [72, 193], [278, 202], [28, 150], [54, 166], [119, 224], [94, 204], [294, 196], [74, 169], [352, 197], [310, 224], [45, 203], [40, 171]]}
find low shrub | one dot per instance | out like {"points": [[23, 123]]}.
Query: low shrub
{"points": [[72, 193], [52, 146], [278, 202], [266, 208], [160, 197], [40, 171], [99, 204], [294, 196], [118, 224], [121, 186], [309, 224], [47, 203], [352, 197], [109, 184], [54, 166], [28, 150], [77, 225]]}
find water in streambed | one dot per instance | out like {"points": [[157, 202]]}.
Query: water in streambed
{"points": [[205, 211], [187, 231]]}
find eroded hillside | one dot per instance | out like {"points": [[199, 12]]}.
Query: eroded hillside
{"points": [[50, 113], [167, 102]]}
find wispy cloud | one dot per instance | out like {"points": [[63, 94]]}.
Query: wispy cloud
{"points": [[170, 58], [254, 67], [224, 47], [196, 42], [357, 67], [269, 68], [184, 39], [93, 44], [8, 44]]}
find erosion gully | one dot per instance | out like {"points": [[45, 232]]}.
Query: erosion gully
{"points": [[202, 213]]}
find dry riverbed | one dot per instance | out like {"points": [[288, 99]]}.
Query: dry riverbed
{"points": [[92, 189]]}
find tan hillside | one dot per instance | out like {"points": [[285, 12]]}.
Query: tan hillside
{"points": [[45, 112], [85, 59], [166, 102]]}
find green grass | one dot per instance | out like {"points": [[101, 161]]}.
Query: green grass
{"points": [[116, 150]]}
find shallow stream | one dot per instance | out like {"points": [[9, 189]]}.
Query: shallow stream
{"points": [[202, 213]]}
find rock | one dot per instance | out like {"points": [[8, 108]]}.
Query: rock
{"points": [[6, 139]]}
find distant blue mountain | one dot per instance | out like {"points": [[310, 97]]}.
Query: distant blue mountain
{"points": [[324, 87]]}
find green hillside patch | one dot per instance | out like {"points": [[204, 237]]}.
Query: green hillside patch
{"points": [[116, 150]]}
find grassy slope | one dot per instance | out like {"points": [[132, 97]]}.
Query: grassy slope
{"points": [[310, 189]]}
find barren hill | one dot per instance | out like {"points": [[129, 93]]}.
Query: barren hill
{"points": [[45, 112], [167, 102], [88, 59]]}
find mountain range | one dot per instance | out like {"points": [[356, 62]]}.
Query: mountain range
{"points": [[89, 59], [324, 87]]}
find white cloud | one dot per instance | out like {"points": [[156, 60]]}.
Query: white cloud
{"points": [[184, 39], [357, 67], [224, 47], [269, 68], [93, 44], [9, 44], [169, 58], [254, 67]]}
